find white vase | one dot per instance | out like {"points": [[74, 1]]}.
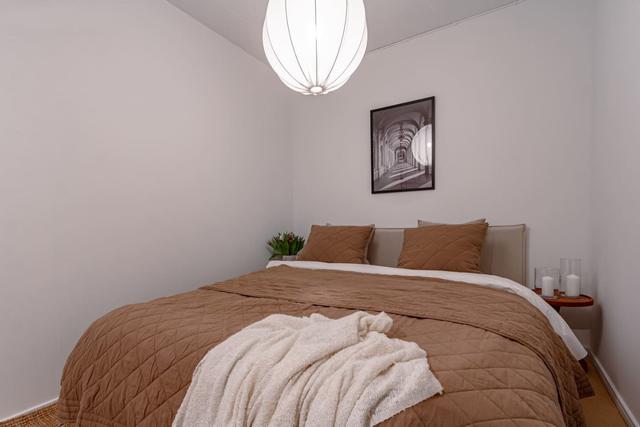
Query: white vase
{"points": [[289, 257]]}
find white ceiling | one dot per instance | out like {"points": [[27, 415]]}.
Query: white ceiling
{"points": [[390, 21]]}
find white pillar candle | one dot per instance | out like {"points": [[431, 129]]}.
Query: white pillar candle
{"points": [[573, 286], [548, 288]]}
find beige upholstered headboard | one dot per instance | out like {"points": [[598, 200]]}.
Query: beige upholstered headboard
{"points": [[504, 252]]}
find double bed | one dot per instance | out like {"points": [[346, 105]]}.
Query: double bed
{"points": [[503, 357]]}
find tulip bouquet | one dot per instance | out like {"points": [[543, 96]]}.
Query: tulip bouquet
{"points": [[285, 244]]}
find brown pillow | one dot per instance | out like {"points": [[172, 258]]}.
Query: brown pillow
{"points": [[337, 244], [443, 247]]}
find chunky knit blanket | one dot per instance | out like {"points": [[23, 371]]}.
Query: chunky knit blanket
{"points": [[312, 371]]}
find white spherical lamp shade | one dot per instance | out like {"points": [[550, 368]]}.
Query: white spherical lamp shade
{"points": [[315, 45]]}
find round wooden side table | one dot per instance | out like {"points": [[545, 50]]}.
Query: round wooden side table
{"points": [[560, 300]]}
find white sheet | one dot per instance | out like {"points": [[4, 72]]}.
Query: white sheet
{"points": [[486, 280]]}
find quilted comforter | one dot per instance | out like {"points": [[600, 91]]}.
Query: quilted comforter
{"points": [[496, 356]]}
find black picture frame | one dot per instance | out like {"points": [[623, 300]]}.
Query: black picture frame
{"points": [[414, 162]]}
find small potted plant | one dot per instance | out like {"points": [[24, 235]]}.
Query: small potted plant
{"points": [[285, 246]]}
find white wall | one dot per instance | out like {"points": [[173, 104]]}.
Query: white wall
{"points": [[137, 153], [616, 203], [513, 129]]}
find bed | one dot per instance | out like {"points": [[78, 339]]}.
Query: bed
{"points": [[503, 356]]}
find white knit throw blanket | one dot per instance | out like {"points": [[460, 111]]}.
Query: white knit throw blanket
{"points": [[312, 371]]}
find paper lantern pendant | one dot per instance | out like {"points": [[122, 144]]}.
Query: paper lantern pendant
{"points": [[314, 46]]}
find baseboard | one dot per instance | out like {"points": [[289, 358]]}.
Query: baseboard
{"points": [[32, 409], [615, 395]]}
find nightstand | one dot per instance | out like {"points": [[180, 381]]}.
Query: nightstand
{"points": [[560, 300]]}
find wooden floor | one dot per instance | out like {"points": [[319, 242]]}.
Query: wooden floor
{"points": [[599, 410]]}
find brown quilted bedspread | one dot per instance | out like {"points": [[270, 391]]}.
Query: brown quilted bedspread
{"points": [[498, 359]]}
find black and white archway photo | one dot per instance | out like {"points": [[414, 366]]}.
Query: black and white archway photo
{"points": [[403, 147]]}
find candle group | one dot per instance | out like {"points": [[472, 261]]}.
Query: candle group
{"points": [[564, 281]]}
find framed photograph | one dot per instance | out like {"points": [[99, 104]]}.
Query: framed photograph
{"points": [[403, 147]]}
